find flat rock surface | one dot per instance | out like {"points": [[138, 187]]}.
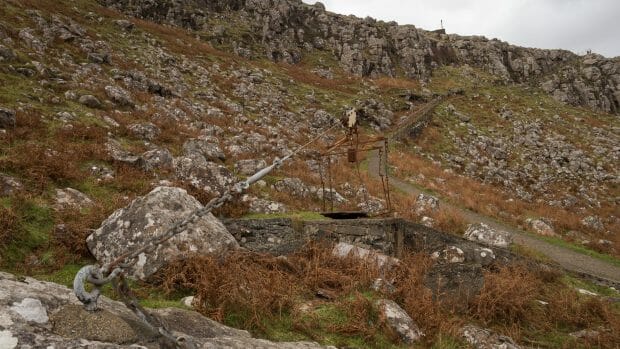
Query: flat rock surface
{"points": [[112, 327]]}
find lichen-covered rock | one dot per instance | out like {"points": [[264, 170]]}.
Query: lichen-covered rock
{"points": [[427, 221], [399, 321], [152, 215], [482, 233], [202, 174], [6, 54], [31, 309], [119, 96], [124, 24], [250, 166], [541, 226], [146, 131], [481, 338], [207, 147], [71, 198], [371, 204], [425, 203], [39, 314], [330, 195], [158, 158]]}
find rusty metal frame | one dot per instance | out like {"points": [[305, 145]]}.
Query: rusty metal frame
{"points": [[351, 143]]}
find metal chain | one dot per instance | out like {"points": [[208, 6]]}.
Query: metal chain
{"points": [[110, 272]]}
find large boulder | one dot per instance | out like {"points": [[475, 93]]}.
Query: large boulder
{"points": [[152, 215], [39, 314]]}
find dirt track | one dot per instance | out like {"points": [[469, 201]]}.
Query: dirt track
{"points": [[568, 259]]}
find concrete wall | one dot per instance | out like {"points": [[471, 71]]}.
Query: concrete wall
{"points": [[391, 236]]}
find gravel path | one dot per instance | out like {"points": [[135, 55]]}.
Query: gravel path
{"points": [[568, 259]]}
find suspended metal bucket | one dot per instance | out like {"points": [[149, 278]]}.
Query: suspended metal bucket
{"points": [[352, 155]]}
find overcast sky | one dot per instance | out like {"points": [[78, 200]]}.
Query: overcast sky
{"points": [[576, 25]]}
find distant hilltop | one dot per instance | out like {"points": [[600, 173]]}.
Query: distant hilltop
{"points": [[286, 30]]}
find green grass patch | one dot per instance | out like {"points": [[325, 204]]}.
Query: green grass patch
{"points": [[583, 284], [63, 276], [301, 215], [447, 342], [30, 230], [579, 249], [529, 253]]}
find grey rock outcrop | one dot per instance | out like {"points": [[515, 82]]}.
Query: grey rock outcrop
{"points": [[6, 54], [39, 314], [283, 30], [152, 215]]}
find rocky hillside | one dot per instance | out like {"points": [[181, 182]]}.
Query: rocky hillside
{"points": [[115, 116], [289, 30]]}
